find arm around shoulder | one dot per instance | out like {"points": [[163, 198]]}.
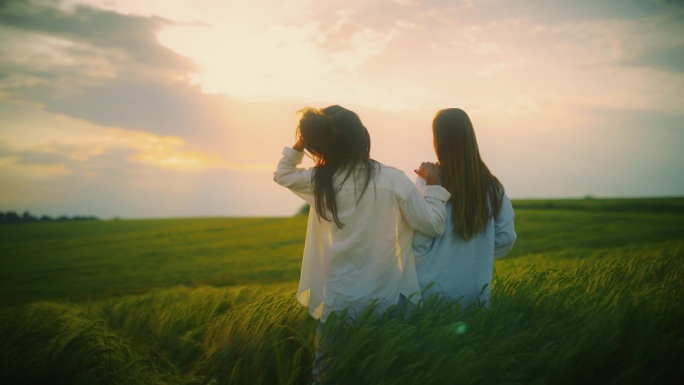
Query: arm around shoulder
{"points": [[425, 210], [504, 229]]}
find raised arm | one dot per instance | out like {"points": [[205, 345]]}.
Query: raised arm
{"points": [[287, 173]]}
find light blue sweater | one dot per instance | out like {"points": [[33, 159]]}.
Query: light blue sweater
{"points": [[463, 270]]}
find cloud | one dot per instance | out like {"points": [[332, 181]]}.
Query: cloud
{"points": [[97, 30], [289, 56], [84, 148], [109, 69], [63, 165], [91, 153], [495, 68], [93, 64], [667, 59], [183, 108]]}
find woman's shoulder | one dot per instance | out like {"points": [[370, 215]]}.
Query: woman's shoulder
{"points": [[390, 171], [392, 178]]}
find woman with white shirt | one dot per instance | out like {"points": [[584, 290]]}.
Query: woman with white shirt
{"points": [[458, 264], [364, 215]]}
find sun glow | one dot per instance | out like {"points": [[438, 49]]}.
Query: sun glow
{"points": [[256, 61], [140, 95]]}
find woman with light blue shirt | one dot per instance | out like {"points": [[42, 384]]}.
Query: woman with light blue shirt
{"points": [[458, 264]]}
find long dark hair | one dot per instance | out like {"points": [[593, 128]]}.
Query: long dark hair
{"points": [[336, 140], [476, 194]]}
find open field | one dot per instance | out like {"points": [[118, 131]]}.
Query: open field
{"points": [[591, 293], [87, 260]]}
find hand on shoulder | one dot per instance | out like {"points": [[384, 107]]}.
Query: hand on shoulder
{"points": [[430, 172]]}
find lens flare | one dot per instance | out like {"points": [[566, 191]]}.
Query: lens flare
{"points": [[460, 327]]}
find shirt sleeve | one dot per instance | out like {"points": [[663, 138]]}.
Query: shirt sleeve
{"points": [[504, 229], [425, 210], [288, 175], [422, 244]]}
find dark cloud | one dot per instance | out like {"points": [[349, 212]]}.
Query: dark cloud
{"points": [[111, 71], [669, 59], [101, 29], [154, 105], [575, 11]]}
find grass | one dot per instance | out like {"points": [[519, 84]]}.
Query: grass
{"points": [[603, 323], [81, 261], [589, 295], [91, 260]]}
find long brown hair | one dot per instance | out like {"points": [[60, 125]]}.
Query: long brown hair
{"points": [[336, 140], [476, 194]]}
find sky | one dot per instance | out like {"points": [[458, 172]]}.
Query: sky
{"points": [[171, 108]]}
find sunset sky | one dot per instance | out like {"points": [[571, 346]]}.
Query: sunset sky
{"points": [[169, 108]]}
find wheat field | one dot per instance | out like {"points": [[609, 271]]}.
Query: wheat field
{"points": [[591, 293]]}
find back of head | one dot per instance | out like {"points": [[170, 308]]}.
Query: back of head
{"points": [[476, 194], [336, 138], [334, 135], [454, 139]]}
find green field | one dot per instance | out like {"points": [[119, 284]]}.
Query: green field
{"points": [[591, 293]]}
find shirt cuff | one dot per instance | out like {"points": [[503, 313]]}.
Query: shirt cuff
{"points": [[293, 155], [437, 192]]}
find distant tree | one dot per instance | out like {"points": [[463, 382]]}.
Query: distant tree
{"points": [[304, 210], [12, 217], [84, 218], [27, 217]]}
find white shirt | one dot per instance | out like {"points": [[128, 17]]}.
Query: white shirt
{"points": [[370, 258], [458, 269]]}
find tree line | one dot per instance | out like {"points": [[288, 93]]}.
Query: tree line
{"points": [[26, 217]]}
